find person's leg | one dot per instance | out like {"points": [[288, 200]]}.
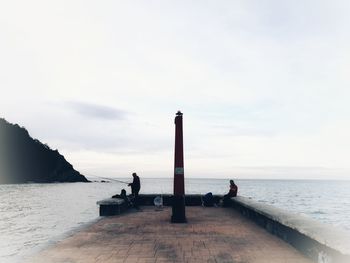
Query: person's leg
{"points": [[136, 199], [226, 202]]}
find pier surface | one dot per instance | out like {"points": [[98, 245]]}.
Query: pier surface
{"points": [[211, 235]]}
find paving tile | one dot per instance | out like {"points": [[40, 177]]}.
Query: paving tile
{"points": [[214, 235]]}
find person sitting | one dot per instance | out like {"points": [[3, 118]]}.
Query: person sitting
{"points": [[123, 196], [232, 193]]}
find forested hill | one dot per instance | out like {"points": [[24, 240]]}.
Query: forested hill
{"points": [[24, 159]]}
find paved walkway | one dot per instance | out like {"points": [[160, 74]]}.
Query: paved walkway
{"points": [[211, 235]]}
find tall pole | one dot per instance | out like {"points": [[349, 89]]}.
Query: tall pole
{"points": [[178, 205]]}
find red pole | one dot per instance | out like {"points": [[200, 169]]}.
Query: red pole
{"points": [[179, 185]]}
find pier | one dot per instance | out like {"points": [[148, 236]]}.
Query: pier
{"points": [[186, 231], [212, 234]]}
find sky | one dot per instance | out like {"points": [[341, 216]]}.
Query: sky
{"points": [[263, 85]]}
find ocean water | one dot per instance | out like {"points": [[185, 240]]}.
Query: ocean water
{"points": [[35, 215]]}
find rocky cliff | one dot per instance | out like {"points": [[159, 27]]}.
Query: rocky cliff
{"points": [[24, 159]]}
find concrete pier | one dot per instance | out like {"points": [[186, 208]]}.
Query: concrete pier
{"points": [[321, 242], [212, 234]]}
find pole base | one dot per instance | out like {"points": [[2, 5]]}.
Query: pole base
{"points": [[178, 207]]}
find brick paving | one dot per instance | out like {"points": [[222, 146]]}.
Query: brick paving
{"points": [[211, 235]]}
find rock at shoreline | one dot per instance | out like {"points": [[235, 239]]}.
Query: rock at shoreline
{"points": [[24, 159]]}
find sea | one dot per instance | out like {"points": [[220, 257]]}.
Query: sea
{"points": [[34, 216]]}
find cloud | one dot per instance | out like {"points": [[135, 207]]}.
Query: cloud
{"points": [[260, 84], [96, 111]]}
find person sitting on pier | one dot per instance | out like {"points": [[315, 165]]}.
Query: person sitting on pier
{"points": [[123, 196], [135, 189], [232, 193]]}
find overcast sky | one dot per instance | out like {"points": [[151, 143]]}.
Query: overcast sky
{"points": [[264, 85]]}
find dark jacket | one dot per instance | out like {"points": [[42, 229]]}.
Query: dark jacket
{"points": [[135, 185], [233, 190]]}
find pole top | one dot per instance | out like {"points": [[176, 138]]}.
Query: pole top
{"points": [[178, 113]]}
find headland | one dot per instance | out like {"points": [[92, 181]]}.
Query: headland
{"points": [[24, 159]]}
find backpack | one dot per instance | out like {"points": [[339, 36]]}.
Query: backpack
{"points": [[208, 199]]}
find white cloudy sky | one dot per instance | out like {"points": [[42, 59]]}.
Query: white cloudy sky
{"points": [[264, 85]]}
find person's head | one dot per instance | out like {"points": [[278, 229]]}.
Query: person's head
{"points": [[123, 192], [134, 174], [232, 182]]}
